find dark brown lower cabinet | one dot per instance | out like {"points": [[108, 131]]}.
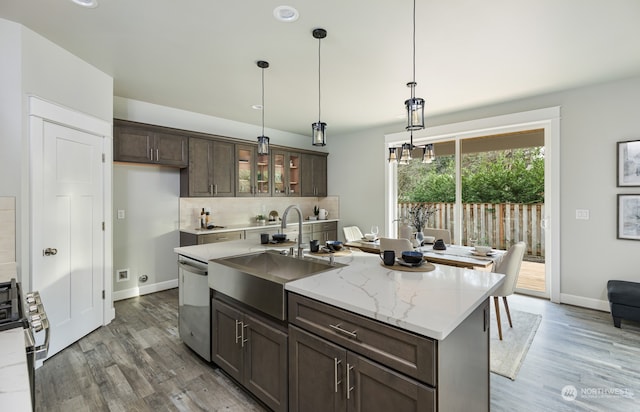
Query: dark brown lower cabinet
{"points": [[326, 377], [251, 350]]}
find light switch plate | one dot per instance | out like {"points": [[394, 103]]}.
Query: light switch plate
{"points": [[582, 214], [120, 214]]}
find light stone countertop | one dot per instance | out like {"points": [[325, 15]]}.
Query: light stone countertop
{"points": [[15, 393], [431, 304], [231, 228]]}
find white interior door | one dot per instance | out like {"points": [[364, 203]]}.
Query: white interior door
{"points": [[68, 241]]}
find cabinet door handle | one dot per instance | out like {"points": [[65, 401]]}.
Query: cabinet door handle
{"points": [[211, 190], [151, 153], [243, 340], [215, 189], [349, 387], [337, 328], [337, 382], [157, 156], [238, 338]]}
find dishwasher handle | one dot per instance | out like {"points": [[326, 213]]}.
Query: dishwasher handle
{"points": [[192, 269]]}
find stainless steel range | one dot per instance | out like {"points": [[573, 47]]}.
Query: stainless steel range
{"points": [[28, 315]]}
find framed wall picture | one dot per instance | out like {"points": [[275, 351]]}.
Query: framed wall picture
{"points": [[629, 163], [629, 217]]}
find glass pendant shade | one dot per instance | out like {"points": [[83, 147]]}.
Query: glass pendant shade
{"points": [[263, 145], [428, 155], [319, 134], [392, 155], [415, 113], [405, 154]]}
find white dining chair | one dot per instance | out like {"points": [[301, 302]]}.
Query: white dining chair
{"points": [[443, 234], [397, 245], [352, 233], [510, 267]]}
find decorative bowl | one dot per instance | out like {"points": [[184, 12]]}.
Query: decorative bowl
{"points": [[370, 236], [429, 239], [483, 250], [334, 245], [279, 237], [412, 256]]}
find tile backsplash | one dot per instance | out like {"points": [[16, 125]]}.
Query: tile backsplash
{"points": [[231, 211]]}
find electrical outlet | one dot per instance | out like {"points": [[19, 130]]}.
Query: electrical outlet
{"points": [[122, 275], [120, 214], [582, 214]]}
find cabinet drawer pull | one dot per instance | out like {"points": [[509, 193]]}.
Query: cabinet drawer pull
{"points": [[151, 153], [349, 387], [243, 340], [337, 328], [238, 338], [157, 156], [337, 382]]}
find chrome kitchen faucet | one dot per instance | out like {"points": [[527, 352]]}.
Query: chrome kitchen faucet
{"points": [[284, 225]]}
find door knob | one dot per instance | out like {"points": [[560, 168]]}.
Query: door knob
{"points": [[49, 251]]}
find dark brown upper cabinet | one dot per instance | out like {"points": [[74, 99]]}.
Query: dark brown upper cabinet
{"points": [[144, 145], [210, 172], [313, 174]]}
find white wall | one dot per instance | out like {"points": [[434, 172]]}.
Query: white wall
{"points": [[143, 241], [593, 119], [33, 65]]}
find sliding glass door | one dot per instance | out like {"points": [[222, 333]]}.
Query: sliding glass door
{"points": [[486, 190]]}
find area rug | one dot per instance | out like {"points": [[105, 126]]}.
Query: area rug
{"points": [[507, 355]]}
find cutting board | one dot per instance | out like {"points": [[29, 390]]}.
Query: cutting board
{"points": [[344, 252], [425, 267]]}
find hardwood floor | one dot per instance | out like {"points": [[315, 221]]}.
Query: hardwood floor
{"points": [[138, 363]]}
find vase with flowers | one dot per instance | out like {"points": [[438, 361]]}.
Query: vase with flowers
{"points": [[419, 214]]}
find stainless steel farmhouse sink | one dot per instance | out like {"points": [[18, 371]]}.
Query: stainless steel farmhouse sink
{"points": [[258, 279]]}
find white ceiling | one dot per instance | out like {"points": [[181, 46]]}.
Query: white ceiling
{"points": [[199, 55]]}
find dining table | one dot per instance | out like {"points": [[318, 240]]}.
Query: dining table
{"points": [[453, 255]]}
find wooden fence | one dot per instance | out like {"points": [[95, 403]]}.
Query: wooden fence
{"points": [[498, 225]]}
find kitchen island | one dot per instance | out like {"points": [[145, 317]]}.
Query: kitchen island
{"points": [[424, 333]]}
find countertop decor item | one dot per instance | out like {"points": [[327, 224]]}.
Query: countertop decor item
{"points": [[419, 214]]}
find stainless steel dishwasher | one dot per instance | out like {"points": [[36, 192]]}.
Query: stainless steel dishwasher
{"points": [[194, 310]]}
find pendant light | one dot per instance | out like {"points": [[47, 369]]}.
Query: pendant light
{"points": [[263, 141], [319, 137], [428, 154], [415, 105], [393, 158], [405, 151]]}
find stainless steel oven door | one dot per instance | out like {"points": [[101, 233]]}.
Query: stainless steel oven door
{"points": [[194, 312]]}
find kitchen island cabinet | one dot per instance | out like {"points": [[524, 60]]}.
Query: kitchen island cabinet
{"points": [[146, 144], [420, 339], [252, 350]]}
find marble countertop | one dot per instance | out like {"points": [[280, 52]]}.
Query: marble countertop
{"points": [[15, 393], [230, 228], [432, 303]]}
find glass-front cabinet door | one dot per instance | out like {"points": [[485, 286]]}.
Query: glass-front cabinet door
{"points": [[285, 173], [252, 171]]}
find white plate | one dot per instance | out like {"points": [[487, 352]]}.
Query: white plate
{"points": [[476, 253], [364, 239]]}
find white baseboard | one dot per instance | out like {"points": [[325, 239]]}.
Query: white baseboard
{"points": [[145, 289], [590, 303]]}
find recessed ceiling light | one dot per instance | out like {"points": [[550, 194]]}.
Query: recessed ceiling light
{"points": [[286, 13], [256, 106], [90, 4]]}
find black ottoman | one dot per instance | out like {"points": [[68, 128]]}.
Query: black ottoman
{"points": [[624, 299]]}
